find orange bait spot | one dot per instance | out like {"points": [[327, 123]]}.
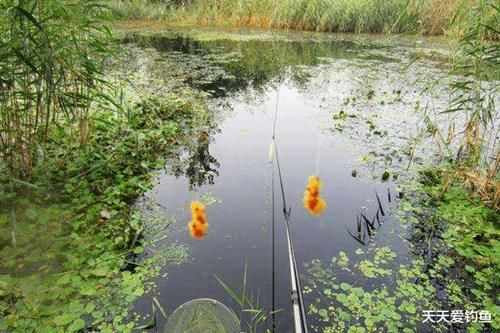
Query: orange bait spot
{"points": [[313, 202], [198, 224], [200, 219], [197, 208], [197, 231]]}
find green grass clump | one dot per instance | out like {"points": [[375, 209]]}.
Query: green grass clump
{"points": [[52, 55], [360, 16], [69, 236], [139, 9], [73, 158]]}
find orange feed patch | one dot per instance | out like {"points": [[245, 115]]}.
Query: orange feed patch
{"points": [[197, 208], [313, 202], [197, 231], [198, 225]]}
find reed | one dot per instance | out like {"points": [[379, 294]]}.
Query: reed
{"points": [[432, 17], [472, 137], [139, 9], [475, 94], [51, 59]]}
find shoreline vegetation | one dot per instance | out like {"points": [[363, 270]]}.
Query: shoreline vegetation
{"points": [[427, 17], [79, 147]]}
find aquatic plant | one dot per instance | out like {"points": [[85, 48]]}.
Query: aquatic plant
{"points": [[252, 315], [52, 55], [366, 227], [341, 305], [457, 235], [474, 94], [431, 17], [198, 224], [392, 298], [471, 138], [141, 9], [80, 200], [313, 202]]}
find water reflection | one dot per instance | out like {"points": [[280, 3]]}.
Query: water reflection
{"points": [[223, 66], [202, 167], [230, 158]]}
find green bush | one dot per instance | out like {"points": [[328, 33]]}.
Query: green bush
{"points": [[51, 60]]}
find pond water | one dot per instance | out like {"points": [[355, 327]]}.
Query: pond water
{"points": [[347, 108]]}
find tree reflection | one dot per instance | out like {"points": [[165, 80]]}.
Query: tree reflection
{"points": [[224, 66], [199, 166]]}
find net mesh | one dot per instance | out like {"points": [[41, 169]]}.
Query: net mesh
{"points": [[203, 316]]}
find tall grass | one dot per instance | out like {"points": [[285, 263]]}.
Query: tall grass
{"points": [[252, 315], [431, 17], [51, 57], [475, 94], [318, 15], [141, 9], [472, 138]]}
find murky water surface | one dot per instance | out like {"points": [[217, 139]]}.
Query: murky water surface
{"points": [[347, 110]]}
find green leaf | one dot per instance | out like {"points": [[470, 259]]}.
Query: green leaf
{"points": [[63, 279], [344, 286], [396, 316], [138, 250], [64, 319], [100, 271], [358, 292], [342, 298], [359, 251], [77, 325], [139, 292], [88, 290], [90, 307], [97, 314], [324, 314]]}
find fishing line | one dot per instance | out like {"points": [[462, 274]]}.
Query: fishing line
{"points": [[319, 151], [276, 112]]}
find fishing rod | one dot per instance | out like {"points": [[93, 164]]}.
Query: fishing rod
{"points": [[299, 314]]}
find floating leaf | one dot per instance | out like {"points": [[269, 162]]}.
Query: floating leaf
{"points": [[77, 325]]}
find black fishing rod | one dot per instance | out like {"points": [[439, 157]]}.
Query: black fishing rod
{"points": [[299, 314]]}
